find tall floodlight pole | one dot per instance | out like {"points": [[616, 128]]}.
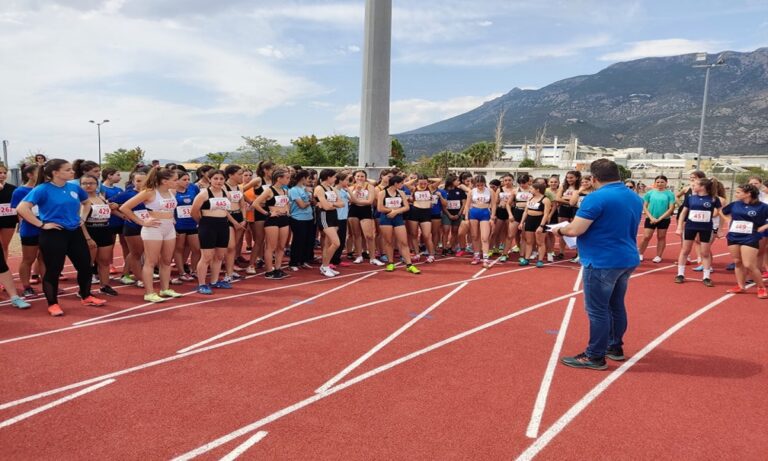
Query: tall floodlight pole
{"points": [[98, 131], [375, 145], [702, 58]]}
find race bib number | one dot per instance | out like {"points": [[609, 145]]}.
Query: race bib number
{"points": [[362, 194], [700, 216], [435, 199], [330, 196], [220, 203], [235, 195], [534, 205], [6, 210], [168, 204], [454, 204], [184, 211], [482, 199], [523, 196], [422, 195], [503, 198], [281, 200], [741, 227], [568, 193], [142, 214], [100, 213], [393, 202]]}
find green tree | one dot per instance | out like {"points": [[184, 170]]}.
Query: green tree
{"points": [[339, 149], [480, 153], [215, 159], [624, 172], [124, 160], [310, 151], [397, 154], [258, 148], [528, 163], [442, 161]]}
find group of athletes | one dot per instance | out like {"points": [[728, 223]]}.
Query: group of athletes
{"points": [[238, 220]]}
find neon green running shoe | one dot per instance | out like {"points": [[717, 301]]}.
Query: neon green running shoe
{"points": [[413, 269], [390, 267], [153, 298], [170, 293]]}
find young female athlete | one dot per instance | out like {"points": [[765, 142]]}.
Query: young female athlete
{"points": [[749, 219], [566, 212], [454, 200], [585, 189], [29, 235], [698, 211], [234, 174], [187, 239], [523, 194], [211, 210], [392, 205], [659, 204], [327, 219], [131, 230], [157, 230], [500, 235], [480, 211], [420, 217], [301, 222], [532, 223], [95, 225], [275, 203], [342, 214], [362, 196], [59, 203], [8, 218], [110, 177]]}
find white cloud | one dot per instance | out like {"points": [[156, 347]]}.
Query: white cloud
{"points": [[664, 47], [409, 114], [68, 67]]}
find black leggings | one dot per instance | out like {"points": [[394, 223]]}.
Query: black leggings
{"points": [[55, 245], [336, 259], [302, 242]]}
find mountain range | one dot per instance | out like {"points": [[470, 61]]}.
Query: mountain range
{"points": [[652, 102]]}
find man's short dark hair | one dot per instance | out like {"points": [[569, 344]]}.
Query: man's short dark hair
{"points": [[605, 170]]}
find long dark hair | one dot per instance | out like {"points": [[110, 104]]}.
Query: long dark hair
{"points": [[45, 172], [28, 171], [709, 186], [298, 176], [264, 165], [81, 166]]}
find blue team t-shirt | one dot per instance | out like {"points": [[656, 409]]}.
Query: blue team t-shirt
{"points": [[183, 210], [123, 197], [298, 213], [610, 242], [108, 192], [745, 220], [700, 211], [58, 204], [453, 197], [343, 213], [26, 229]]}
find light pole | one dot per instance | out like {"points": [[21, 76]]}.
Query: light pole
{"points": [[98, 130], [702, 58]]}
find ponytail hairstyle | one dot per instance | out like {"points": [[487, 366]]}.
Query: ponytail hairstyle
{"points": [[524, 178], [709, 186], [83, 166], [262, 167], [718, 187], [107, 172], [203, 171], [29, 171], [45, 172], [750, 190], [157, 176], [540, 186], [326, 173], [341, 176], [699, 174], [298, 176]]}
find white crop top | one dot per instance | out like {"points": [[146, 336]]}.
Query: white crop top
{"points": [[481, 197], [160, 203]]}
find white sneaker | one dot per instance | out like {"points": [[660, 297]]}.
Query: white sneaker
{"points": [[534, 255], [358, 260], [250, 270], [430, 259], [550, 257], [335, 272], [641, 258], [376, 262], [657, 259], [95, 280], [326, 271]]}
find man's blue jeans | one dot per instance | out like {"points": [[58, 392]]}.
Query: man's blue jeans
{"points": [[604, 291]]}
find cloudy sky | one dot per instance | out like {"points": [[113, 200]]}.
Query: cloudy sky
{"points": [[181, 78]]}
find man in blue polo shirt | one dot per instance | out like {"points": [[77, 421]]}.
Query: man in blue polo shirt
{"points": [[606, 225]]}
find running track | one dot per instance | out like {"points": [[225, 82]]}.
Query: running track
{"points": [[453, 364]]}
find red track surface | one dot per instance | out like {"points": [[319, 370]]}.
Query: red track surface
{"points": [[696, 395]]}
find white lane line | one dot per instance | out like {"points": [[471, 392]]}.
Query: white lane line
{"points": [[328, 384], [272, 314], [55, 403], [578, 279], [41, 296], [16, 274], [579, 406], [546, 382], [242, 448]]}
